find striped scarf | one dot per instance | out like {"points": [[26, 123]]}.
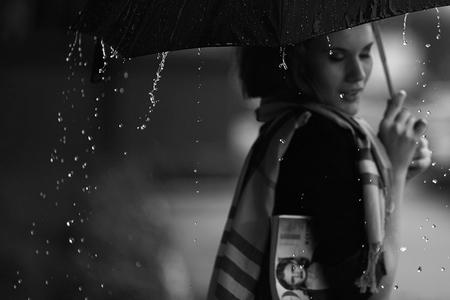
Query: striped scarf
{"points": [[239, 259]]}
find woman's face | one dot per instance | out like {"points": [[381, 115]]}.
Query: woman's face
{"points": [[340, 65], [294, 274]]}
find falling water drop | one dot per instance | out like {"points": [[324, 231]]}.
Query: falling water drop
{"points": [[153, 100], [405, 42], [419, 269], [438, 26]]}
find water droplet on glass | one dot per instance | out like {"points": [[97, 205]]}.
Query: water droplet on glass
{"points": [[419, 269], [443, 269], [396, 286], [434, 181], [428, 45], [341, 96], [138, 264], [71, 240], [433, 226], [283, 141], [195, 239], [403, 249]]}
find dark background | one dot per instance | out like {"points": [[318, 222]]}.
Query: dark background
{"points": [[94, 207]]}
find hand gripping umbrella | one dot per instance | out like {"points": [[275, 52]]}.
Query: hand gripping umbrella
{"points": [[140, 27]]}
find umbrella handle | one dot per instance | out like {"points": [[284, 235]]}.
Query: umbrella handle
{"points": [[377, 34]]}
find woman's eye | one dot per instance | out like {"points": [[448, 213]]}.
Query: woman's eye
{"points": [[365, 55], [336, 55]]}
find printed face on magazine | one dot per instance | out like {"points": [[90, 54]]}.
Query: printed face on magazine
{"points": [[294, 274]]}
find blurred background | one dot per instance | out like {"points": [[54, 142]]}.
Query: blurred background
{"points": [[104, 195]]}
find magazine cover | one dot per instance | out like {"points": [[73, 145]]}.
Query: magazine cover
{"points": [[294, 275]]}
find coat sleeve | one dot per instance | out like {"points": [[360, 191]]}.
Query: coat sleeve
{"points": [[319, 177]]}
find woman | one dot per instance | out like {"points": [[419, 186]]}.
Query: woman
{"points": [[313, 157]]}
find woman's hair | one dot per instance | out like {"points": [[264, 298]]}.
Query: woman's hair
{"points": [[261, 70], [301, 262]]}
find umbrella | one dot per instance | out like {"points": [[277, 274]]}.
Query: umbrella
{"points": [[140, 27]]}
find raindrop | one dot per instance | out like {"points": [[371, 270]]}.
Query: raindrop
{"points": [[283, 58], [71, 240], [443, 269], [403, 249], [195, 239], [404, 30], [428, 45], [438, 26], [433, 226], [425, 238], [283, 141], [125, 74], [419, 269], [396, 286], [153, 101], [138, 264], [434, 181]]}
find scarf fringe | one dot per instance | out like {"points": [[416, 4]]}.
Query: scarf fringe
{"points": [[368, 279]]}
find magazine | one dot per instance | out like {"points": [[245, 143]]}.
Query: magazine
{"points": [[293, 273]]}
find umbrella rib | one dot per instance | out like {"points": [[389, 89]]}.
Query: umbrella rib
{"points": [[178, 19]]}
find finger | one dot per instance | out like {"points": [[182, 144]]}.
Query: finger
{"points": [[423, 142], [420, 126], [394, 105], [404, 116]]}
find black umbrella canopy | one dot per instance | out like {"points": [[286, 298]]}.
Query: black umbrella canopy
{"points": [[140, 27]]}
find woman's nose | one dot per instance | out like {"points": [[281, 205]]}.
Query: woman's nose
{"points": [[355, 71]]}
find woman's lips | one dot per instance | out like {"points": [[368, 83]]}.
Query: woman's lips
{"points": [[351, 95]]}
